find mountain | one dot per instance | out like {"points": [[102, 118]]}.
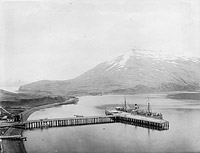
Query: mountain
{"points": [[135, 71]]}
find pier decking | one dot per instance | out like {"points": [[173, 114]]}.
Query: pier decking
{"points": [[73, 121], [13, 137], [76, 121], [143, 121]]}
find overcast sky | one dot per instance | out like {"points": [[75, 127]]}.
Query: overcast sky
{"points": [[61, 39]]}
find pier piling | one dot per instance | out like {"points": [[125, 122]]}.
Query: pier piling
{"points": [[76, 121]]}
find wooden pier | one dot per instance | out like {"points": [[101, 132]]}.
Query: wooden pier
{"points": [[143, 121], [137, 120], [13, 137], [73, 121]]}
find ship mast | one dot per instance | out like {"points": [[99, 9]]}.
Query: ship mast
{"points": [[125, 103], [148, 106]]}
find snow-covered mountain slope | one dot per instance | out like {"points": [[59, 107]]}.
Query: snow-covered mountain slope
{"points": [[135, 71]]}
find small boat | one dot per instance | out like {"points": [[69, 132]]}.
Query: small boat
{"points": [[78, 115], [112, 112]]}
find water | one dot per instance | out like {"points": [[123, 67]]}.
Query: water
{"points": [[183, 135], [10, 89]]}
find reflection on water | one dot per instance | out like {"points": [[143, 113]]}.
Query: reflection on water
{"points": [[183, 135]]}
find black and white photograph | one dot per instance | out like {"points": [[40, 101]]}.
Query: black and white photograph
{"points": [[99, 76]]}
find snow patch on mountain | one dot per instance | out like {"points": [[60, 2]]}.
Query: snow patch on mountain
{"points": [[155, 57], [113, 65], [120, 62], [125, 58], [162, 55]]}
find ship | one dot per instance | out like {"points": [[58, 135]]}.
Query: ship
{"points": [[135, 111]]}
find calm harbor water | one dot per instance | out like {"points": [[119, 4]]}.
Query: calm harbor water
{"points": [[183, 135]]}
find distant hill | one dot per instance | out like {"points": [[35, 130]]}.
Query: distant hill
{"points": [[11, 100], [6, 95], [11, 96], [136, 71]]}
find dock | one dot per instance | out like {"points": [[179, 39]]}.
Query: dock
{"points": [[12, 124], [73, 121], [13, 137], [126, 118], [143, 121]]}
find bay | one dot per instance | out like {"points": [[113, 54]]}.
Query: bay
{"points": [[183, 135]]}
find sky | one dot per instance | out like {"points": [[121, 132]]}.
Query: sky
{"points": [[59, 40]]}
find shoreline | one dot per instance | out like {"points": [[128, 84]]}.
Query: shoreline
{"points": [[17, 146]]}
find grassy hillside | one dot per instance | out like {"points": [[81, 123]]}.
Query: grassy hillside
{"points": [[18, 102]]}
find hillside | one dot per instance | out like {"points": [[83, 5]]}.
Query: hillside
{"points": [[15, 102], [11, 96], [135, 71]]}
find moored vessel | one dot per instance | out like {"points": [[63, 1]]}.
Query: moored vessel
{"points": [[134, 111]]}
